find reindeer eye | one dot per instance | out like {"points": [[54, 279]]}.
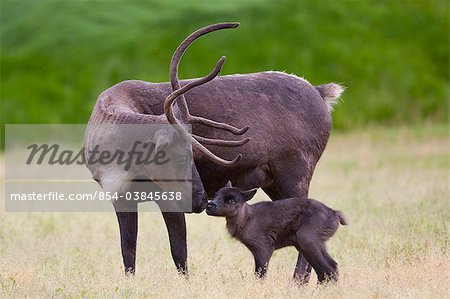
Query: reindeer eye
{"points": [[184, 160], [230, 199]]}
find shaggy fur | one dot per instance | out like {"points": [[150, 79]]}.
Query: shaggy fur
{"points": [[266, 226]]}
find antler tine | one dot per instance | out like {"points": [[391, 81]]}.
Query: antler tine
{"points": [[182, 105], [175, 94], [178, 126], [217, 125], [220, 142]]}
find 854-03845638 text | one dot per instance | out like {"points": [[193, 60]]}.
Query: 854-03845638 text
{"points": [[98, 195]]}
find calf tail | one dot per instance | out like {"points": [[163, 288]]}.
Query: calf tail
{"points": [[342, 219], [331, 93]]}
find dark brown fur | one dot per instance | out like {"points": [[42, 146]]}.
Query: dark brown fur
{"points": [[264, 227], [290, 125]]}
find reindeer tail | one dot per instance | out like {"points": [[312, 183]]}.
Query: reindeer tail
{"points": [[342, 218], [331, 93]]}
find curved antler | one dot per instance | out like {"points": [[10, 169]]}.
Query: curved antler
{"points": [[168, 110], [182, 105]]}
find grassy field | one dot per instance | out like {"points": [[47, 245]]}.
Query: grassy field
{"points": [[393, 185]]}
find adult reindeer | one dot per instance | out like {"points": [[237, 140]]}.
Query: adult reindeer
{"points": [[116, 107], [290, 125]]}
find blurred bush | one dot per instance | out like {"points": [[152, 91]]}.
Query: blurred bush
{"points": [[57, 56]]}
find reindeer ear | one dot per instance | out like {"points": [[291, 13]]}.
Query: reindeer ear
{"points": [[247, 195], [162, 139], [228, 185]]}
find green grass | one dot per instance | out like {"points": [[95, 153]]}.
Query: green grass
{"points": [[57, 56], [392, 185]]}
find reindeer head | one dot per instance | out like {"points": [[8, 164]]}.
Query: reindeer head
{"points": [[228, 201], [177, 142]]}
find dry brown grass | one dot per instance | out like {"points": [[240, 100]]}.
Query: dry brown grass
{"points": [[393, 185]]}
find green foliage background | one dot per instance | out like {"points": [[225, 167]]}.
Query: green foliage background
{"points": [[57, 56]]}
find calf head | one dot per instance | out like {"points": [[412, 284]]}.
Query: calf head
{"points": [[228, 201]]}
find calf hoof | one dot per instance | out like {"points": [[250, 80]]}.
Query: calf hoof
{"points": [[329, 278], [183, 272], [130, 271], [302, 280], [260, 274]]}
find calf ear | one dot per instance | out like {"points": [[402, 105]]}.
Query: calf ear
{"points": [[228, 185], [247, 195]]}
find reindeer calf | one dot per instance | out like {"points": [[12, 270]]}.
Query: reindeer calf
{"points": [[267, 226]]}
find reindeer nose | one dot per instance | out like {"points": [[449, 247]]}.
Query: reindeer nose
{"points": [[211, 206]]}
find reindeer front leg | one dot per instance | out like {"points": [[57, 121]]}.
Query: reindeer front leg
{"points": [[176, 227], [128, 224]]}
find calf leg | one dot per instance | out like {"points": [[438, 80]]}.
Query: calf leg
{"points": [[332, 274], [262, 258], [316, 254], [324, 269], [302, 272], [176, 227]]}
